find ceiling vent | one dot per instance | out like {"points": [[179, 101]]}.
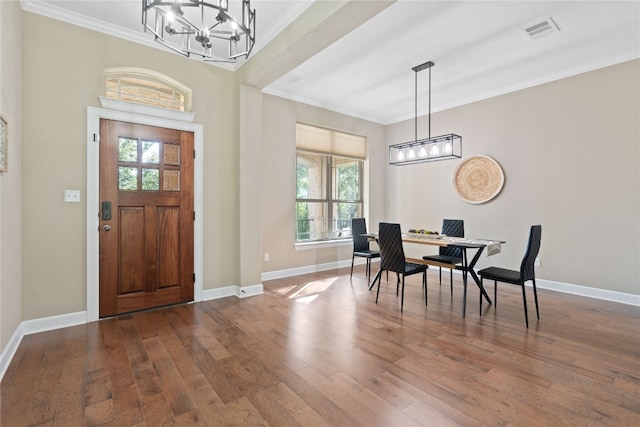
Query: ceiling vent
{"points": [[541, 28]]}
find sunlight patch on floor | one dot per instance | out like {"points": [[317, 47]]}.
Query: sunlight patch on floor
{"points": [[284, 290], [306, 292], [307, 299], [315, 287]]}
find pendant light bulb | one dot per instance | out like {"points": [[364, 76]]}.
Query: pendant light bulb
{"points": [[447, 147], [423, 152]]}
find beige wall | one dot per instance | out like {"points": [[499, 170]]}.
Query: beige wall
{"points": [[278, 180], [570, 154], [63, 67], [549, 140], [11, 181], [249, 197]]}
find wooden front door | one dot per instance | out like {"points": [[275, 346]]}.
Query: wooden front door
{"points": [[146, 217]]}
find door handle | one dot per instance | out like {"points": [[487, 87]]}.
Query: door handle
{"points": [[106, 227]]}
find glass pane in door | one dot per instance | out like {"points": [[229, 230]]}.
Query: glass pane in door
{"points": [[127, 178], [127, 150]]}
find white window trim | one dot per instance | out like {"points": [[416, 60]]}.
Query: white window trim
{"points": [[146, 110], [320, 244]]}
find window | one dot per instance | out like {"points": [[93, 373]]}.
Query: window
{"points": [[329, 176], [146, 87]]}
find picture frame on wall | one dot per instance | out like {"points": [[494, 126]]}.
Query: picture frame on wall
{"points": [[4, 141]]}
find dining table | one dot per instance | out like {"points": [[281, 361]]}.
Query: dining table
{"points": [[469, 260]]}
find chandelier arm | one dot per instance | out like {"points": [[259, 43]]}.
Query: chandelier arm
{"points": [[189, 32], [214, 6], [214, 25], [241, 26], [175, 49], [219, 37], [185, 21], [245, 53]]}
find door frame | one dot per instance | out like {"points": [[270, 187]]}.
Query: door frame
{"points": [[144, 116]]}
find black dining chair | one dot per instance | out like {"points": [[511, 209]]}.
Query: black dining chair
{"points": [[449, 254], [361, 245], [526, 273], [392, 259]]}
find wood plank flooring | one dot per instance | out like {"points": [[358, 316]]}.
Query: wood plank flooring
{"points": [[315, 350]]}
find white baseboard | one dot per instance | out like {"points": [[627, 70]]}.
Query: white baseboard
{"points": [[34, 326], [585, 291], [54, 322], [217, 293], [567, 288], [279, 274], [230, 291], [249, 291], [10, 350]]}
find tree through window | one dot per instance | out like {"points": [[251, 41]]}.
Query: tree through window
{"points": [[329, 170]]}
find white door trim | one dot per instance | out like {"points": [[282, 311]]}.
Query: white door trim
{"points": [[93, 193]]}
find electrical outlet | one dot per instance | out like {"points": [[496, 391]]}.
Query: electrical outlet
{"points": [[537, 262], [266, 256], [72, 196]]}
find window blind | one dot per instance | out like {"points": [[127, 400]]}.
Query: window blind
{"points": [[326, 141]]}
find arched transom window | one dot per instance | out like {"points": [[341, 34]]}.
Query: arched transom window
{"points": [[146, 87]]}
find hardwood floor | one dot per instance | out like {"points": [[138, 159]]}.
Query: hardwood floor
{"points": [[316, 350]]}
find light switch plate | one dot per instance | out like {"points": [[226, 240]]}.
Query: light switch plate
{"points": [[72, 196]]}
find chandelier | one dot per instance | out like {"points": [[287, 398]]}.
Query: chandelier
{"points": [[192, 27], [429, 149]]}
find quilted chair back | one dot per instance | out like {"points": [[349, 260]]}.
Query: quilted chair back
{"points": [[533, 247], [358, 227], [452, 228], [391, 251]]}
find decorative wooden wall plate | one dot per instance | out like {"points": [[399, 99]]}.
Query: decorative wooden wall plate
{"points": [[478, 179]]}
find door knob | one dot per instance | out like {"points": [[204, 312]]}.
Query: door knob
{"points": [[106, 227]]}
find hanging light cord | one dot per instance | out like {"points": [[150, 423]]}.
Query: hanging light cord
{"points": [[415, 92], [417, 70], [429, 102]]}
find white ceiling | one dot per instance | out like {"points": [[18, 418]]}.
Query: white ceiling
{"points": [[479, 49]]}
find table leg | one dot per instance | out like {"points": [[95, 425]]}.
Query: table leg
{"points": [[471, 270], [464, 298], [479, 283], [468, 267], [378, 274]]}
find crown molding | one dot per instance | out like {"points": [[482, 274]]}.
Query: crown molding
{"points": [[73, 18], [51, 11]]}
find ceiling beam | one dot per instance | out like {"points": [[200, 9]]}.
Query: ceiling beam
{"points": [[318, 27]]}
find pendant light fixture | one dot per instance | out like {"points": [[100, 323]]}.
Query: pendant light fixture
{"points": [[194, 27], [429, 149]]}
